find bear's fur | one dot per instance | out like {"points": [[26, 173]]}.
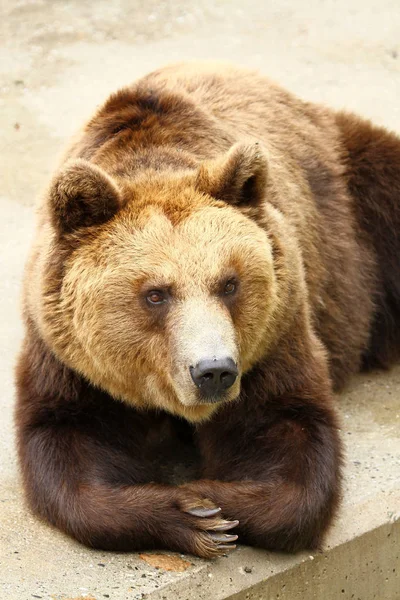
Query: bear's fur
{"points": [[265, 229]]}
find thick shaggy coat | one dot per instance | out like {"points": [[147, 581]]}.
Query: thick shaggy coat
{"points": [[204, 215]]}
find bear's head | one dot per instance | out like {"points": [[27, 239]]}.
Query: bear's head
{"points": [[160, 288]]}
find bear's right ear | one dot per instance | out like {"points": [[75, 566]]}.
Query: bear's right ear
{"points": [[238, 177], [81, 195]]}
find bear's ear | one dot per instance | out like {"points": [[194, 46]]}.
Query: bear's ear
{"points": [[239, 177], [81, 195]]}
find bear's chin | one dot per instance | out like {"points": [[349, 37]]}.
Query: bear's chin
{"points": [[198, 412]]}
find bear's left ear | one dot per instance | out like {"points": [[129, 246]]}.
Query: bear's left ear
{"points": [[81, 195], [239, 177]]}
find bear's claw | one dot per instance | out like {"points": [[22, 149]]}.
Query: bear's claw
{"points": [[200, 511], [208, 527], [223, 537], [225, 525], [220, 540], [226, 546]]}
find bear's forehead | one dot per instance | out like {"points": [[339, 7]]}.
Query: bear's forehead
{"points": [[209, 243], [202, 237]]}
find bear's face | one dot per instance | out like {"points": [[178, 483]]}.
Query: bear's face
{"points": [[168, 300]]}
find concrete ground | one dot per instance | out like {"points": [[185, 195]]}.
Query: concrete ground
{"points": [[58, 60]]}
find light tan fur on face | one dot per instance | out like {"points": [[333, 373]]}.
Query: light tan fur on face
{"points": [[103, 328]]}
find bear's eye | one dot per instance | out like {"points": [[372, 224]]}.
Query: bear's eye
{"points": [[155, 297], [230, 287]]}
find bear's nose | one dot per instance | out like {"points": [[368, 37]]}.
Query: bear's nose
{"points": [[214, 376]]}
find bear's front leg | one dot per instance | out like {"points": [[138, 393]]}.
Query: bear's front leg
{"points": [[272, 461], [98, 493], [84, 468]]}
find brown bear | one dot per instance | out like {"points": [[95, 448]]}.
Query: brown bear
{"points": [[212, 251]]}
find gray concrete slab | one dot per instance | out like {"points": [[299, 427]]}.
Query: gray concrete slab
{"points": [[58, 60]]}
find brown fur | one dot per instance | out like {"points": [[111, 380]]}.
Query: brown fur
{"points": [[195, 176]]}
